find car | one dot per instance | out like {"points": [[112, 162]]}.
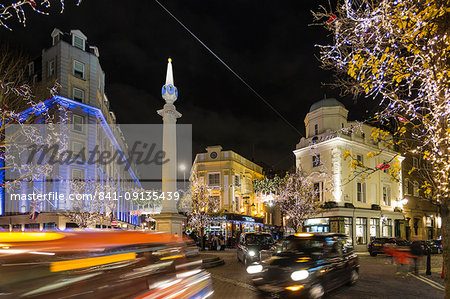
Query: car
{"points": [[378, 245], [111, 264], [423, 245], [435, 246], [307, 265], [254, 247]]}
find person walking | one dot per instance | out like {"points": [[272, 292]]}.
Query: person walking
{"points": [[402, 256], [417, 252]]}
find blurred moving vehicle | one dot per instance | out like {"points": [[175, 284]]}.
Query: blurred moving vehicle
{"points": [[308, 265], [378, 245], [424, 246], [255, 247], [435, 246], [98, 265]]}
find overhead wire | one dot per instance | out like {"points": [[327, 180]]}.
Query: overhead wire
{"points": [[230, 69]]}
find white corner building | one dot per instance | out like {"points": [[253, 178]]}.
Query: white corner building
{"points": [[361, 207]]}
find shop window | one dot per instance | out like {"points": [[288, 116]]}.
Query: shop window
{"points": [[361, 231], [387, 228], [374, 227], [348, 228]]}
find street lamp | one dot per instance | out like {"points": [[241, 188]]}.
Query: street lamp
{"points": [[183, 169]]}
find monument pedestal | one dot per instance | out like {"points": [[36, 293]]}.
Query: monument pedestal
{"points": [[170, 223]]}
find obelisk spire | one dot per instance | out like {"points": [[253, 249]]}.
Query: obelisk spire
{"points": [[169, 91]]}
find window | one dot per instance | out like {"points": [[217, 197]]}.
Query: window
{"points": [[100, 84], [30, 68], [316, 160], [78, 123], [416, 189], [214, 179], [409, 187], [359, 158], [78, 150], [361, 231], [387, 195], [416, 226], [348, 228], [51, 68], [415, 163], [77, 174], [387, 228], [374, 229], [361, 192], [318, 189], [78, 69], [78, 42], [55, 39], [316, 129], [78, 94], [237, 181]]}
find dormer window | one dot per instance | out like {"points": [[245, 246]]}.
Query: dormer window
{"points": [[55, 39], [78, 42]]}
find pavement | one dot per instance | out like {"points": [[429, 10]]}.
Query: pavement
{"points": [[377, 279]]}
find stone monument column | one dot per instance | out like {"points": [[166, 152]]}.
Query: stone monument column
{"points": [[169, 220]]}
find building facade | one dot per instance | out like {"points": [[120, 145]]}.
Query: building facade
{"points": [[422, 218], [362, 207], [75, 65], [229, 176]]}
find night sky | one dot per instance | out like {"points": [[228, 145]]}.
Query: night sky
{"points": [[268, 43]]}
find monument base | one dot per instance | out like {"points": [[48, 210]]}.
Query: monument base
{"points": [[170, 222]]}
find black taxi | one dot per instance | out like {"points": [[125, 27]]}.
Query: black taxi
{"points": [[307, 265]]}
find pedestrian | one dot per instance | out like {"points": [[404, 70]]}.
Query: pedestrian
{"points": [[402, 257], [222, 243], [417, 252]]}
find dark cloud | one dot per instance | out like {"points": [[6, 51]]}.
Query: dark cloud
{"points": [[269, 43]]}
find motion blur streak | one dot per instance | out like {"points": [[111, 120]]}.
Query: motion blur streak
{"points": [[95, 261]]}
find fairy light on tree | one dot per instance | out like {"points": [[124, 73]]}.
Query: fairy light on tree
{"points": [[18, 10], [294, 194], [397, 51], [200, 207]]}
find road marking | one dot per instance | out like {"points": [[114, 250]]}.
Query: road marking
{"points": [[235, 282], [429, 282]]}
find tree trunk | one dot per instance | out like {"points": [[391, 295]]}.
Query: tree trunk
{"points": [[445, 230]]}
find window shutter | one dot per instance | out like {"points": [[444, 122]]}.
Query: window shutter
{"points": [[364, 192]]}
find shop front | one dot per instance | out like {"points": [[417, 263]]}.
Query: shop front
{"points": [[360, 225], [230, 226]]}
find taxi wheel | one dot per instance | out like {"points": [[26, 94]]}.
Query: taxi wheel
{"points": [[353, 277], [373, 254], [316, 291]]}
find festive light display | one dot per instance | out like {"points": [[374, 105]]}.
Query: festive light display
{"points": [[398, 52], [294, 194], [200, 207], [18, 9]]}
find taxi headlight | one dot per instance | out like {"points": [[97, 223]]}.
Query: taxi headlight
{"points": [[299, 275], [252, 253], [254, 269]]}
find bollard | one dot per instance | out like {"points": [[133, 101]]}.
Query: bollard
{"points": [[429, 263]]}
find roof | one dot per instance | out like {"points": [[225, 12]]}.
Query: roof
{"points": [[330, 102]]}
